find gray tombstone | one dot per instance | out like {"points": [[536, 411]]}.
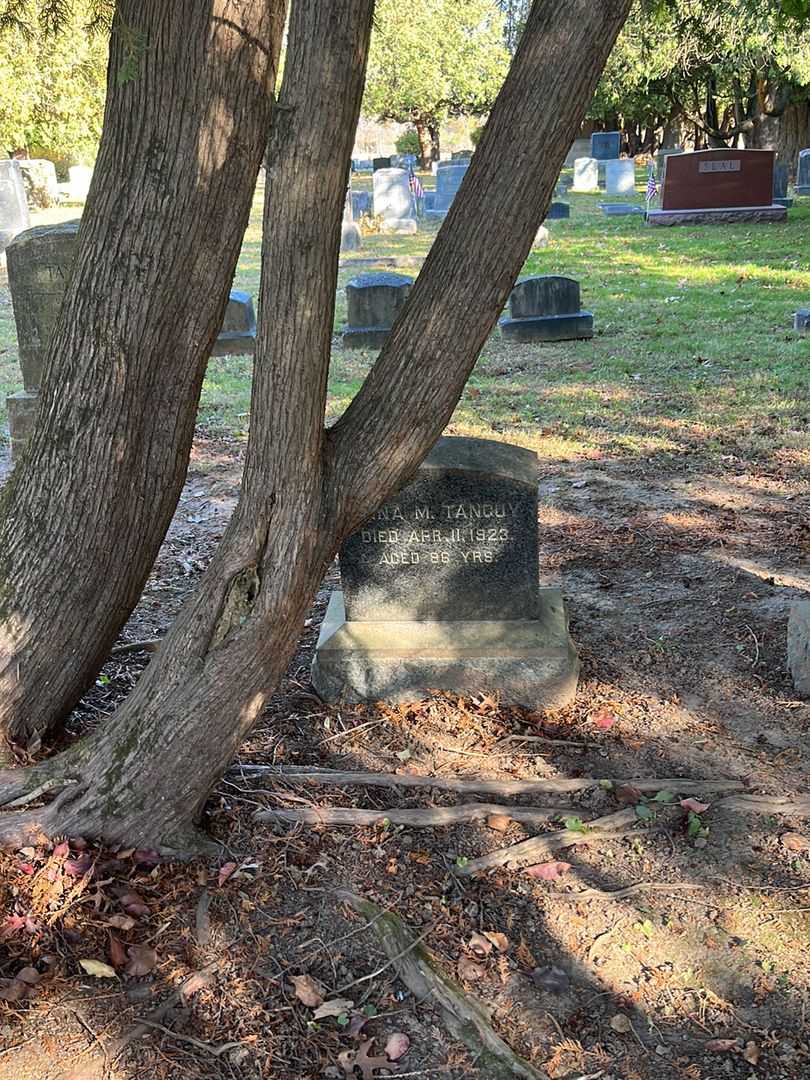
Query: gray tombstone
{"points": [[440, 590], [361, 203], [803, 173], [39, 177], [620, 177], [373, 301], [798, 645], [801, 321], [40, 261], [606, 145], [586, 174], [449, 176], [380, 163], [542, 238], [546, 307], [351, 239], [780, 184], [393, 201], [238, 334], [620, 209], [558, 211], [14, 217]]}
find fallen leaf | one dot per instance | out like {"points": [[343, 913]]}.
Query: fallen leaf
{"points": [[627, 794], [663, 796], [225, 872], [722, 1046], [794, 841], [500, 941], [79, 866], [643, 812], [333, 1007], [695, 806], [142, 960], [751, 1053], [468, 970], [62, 850], [130, 901], [363, 1060], [603, 720], [307, 990], [22, 986], [98, 969], [621, 1024], [549, 871], [480, 945], [118, 952], [121, 922], [499, 822], [397, 1046]]}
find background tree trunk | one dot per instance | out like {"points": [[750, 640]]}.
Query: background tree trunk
{"points": [[146, 775], [85, 511], [794, 134], [425, 143], [435, 145]]}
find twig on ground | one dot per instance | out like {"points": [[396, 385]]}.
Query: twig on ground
{"points": [[351, 731], [630, 890], [463, 1015], [210, 1048], [430, 817], [136, 646], [388, 963]]}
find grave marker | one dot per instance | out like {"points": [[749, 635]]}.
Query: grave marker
{"points": [[449, 177], [14, 217], [373, 301], [620, 177], [718, 187], [803, 173], [393, 201], [440, 590], [586, 174], [546, 307], [606, 145]]}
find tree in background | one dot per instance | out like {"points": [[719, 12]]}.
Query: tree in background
{"points": [[437, 59], [54, 82]]}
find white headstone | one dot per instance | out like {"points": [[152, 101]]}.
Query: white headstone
{"points": [[586, 174], [392, 194], [620, 177]]}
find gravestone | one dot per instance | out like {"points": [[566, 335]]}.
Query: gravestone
{"points": [[79, 177], [361, 203], [586, 174], [238, 334], [13, 204], [546, 307], [798, 645], [780, 184], [620, 177], [449, 176], [606, 145], [801, 321], [373, 301], [803, 173], [40, 261], [380, 163], [440, 590], [39, 177], [350, 236], [718, 187], [393, 201], [541, 238], [620, 209], [558, 210]]}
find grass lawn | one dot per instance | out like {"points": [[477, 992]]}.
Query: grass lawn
{"points": [[693, 351]]}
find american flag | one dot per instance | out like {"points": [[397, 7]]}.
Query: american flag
{"points": [[652, 186], [415, 185]]}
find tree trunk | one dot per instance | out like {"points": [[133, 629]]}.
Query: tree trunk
{"points": [[794, 134], [146, 775], [425, 143], [189, 102], [435, 147]]}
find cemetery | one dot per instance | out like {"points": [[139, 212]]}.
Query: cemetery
{"points": [[509, 778]]}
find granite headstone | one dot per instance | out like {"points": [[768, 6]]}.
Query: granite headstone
{"points": [[440, 590], [803, 173], [373, 301], [393, 201], [380, 163], [717, 187], [801, 321], [586, 174], [781, 177], [238, 334], [39, 177], [14, 217], [449, 177], [546, 307], [606, 145], [558, 211], [620, 177]]}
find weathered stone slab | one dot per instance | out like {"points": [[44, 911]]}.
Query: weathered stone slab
{"points": [[798, 645], [39, 177], [766, 215], [380, 163], [440, 590], [406, 226], [238, 334], [351, 239], [373, 301], [558, 210], [14, 217], [22, 413], [803, 173], [449, 177], [620, 177], [542, 237], [606, 145], [620, 209], [546, 307], [361, 203], [392, 195], [586, 174], [801, 321]]}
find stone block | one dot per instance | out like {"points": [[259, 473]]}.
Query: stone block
{"points": [[14, 217], [803, 173], [798, 646], [758, 215], [373, 301], [449, 177], [392, 195], [620, 209], [548, 328], [351, 238], [542, 238], [801, 321], [39, 177], [606, 145], [406, 226], [362, 203], [586, 174], [620, 177], [546, 307], [558, 210], [22, 413], [238, 334]]}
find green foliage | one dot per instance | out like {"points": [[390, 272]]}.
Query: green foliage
{"points": [[54, 86], [408, 143], [448, 60], [54, 16]]}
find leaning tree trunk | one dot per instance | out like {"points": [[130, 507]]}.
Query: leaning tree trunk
{"points": [[188, 107], [145, 776]]}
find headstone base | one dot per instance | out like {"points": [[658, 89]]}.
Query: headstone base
{"points": [[787, 203], [529, 663], [802, 189], [404, 226], [548, 327], [723, 216], [620, 209], [22, 413], [365, 337]]}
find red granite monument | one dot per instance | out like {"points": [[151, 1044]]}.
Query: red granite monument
{"points": [[718, 186]]}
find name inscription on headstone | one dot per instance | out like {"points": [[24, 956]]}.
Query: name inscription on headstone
{"points": [[734, 165]]}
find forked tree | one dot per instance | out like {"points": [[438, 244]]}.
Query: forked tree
{"points": [[144, 776]]}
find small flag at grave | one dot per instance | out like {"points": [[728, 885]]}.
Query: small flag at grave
{"points": [[652, 186], [415, 184]]}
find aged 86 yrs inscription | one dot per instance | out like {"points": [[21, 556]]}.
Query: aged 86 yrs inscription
{"points": [[459, 543]]}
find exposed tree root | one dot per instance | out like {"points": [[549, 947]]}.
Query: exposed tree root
{"points": [[465, 1017], [418, 819]]}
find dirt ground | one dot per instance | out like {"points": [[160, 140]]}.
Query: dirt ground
{"points": [[678, 583]]}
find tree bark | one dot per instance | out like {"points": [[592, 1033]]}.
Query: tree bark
{"points": [[146, 775], [435, 144], [188, 107], [794, 134], [425, 142]]}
